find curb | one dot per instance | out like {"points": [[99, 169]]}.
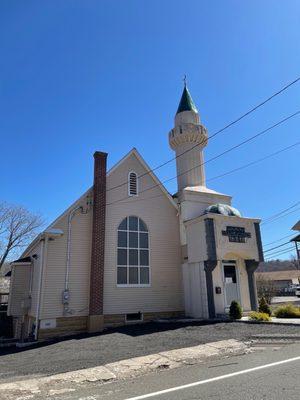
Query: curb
{"points": [[125, 368], [268, 322], [291, 336]]}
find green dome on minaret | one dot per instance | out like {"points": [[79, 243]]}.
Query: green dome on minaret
{"points": [[186, 102]]}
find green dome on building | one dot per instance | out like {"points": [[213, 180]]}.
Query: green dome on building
{"points": [[223, 209]]}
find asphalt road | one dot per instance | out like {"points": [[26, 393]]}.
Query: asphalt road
{"points": [[224, 379], [285, 299], [123, 343]]}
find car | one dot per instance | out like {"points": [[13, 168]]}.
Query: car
{"points": [[297, 291]]}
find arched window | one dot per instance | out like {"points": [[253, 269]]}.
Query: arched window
{"points": [[133, 253], [132, 184]]}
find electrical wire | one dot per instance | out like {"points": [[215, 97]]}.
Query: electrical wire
{"points": [[284, 214], [253, 162], [218, 155], [279, 240], [276, 247], [271, 256], [217, 132]]}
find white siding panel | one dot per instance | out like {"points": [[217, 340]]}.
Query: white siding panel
{"points": [[54, 274], [19, 289], [166, 291], [160, 215]]}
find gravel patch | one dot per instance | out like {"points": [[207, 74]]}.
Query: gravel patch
{"points": [[85, 351]]}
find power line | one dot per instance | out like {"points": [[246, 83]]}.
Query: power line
{"points": [[280, 212], [281, 251], [217, 132], [279, 240], [276, 247], [253, 162], [229, 172], [271, 256], [284, 214], [219, 155]]}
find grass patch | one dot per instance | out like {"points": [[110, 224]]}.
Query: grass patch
{"points": [[287, 311], [259, 316]]}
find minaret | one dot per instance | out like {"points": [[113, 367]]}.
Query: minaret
{"points": [[188, 138]]}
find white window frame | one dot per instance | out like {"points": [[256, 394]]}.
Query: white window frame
{"points": [[137, 184], [133, 285]]}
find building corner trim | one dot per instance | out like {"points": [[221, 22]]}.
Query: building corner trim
{"points": [[210, 264], [251, 266]]}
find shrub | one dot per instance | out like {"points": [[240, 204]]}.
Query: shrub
{"points": [[264, 306], [287, 311], [235, 311], [259, 316]]}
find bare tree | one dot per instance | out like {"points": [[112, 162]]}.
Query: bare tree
{"points": [[17, 228], [265, 288], [294, 263]]}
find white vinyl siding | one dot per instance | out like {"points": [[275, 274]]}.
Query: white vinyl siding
{"points": [[19, 290], [80, 262], [160, 216], [155, 209]]}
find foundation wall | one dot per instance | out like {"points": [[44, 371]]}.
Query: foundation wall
{"points": [[67, 326]]}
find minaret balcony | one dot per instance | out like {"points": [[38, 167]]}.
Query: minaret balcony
{"points": [[188, 133]]}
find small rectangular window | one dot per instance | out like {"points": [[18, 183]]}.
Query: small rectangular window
{"points": [[134, 317]]}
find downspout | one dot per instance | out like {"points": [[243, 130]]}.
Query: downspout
{"points": [[65, 298], [43, 258]]}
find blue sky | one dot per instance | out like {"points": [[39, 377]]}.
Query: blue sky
{"points": [[79, 76]]}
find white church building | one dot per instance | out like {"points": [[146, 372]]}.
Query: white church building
{"points": [[128, 251]]}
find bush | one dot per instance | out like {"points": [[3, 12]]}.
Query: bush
{"points": [[235, 311], [264, 306], [259, 316], [287, 311]]}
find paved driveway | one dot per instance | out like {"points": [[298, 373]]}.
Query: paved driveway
{"points": [[285, 299], [118, 344]]}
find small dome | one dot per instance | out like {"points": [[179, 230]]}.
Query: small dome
{"points": [[223, 209]]}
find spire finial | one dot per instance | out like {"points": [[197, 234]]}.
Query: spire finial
{"points": [[184, 80]]}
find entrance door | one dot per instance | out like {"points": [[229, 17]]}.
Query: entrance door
{"points": [[230, 284]]}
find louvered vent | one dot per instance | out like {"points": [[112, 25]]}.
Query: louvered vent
{"points": [[133, 190]]}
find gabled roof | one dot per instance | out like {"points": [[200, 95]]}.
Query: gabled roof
{"points": [[76, 202], [149, 172], [186, 102]]}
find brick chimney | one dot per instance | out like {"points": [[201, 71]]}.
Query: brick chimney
{"points": [[95, 321]]}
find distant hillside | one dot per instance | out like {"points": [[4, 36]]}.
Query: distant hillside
{"points": [[276, 265]]}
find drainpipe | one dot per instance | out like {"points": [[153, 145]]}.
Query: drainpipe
{"points": [[42, 263], [65, 299], [43, 256]]}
